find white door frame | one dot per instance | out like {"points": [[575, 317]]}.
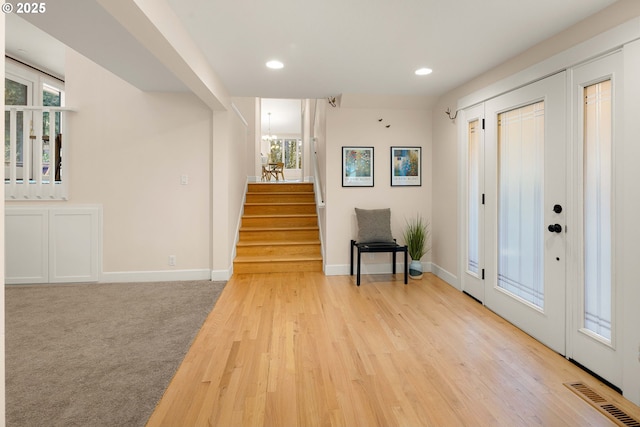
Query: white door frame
{"points": [[625, 35]]}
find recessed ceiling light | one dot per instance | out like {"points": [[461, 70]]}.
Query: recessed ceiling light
{"points": [[423, 71], [275, 65]]}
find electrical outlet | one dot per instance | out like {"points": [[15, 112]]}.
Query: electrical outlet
{"points": [[184, 179], [172, 260]]}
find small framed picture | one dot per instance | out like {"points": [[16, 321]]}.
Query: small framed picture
{"points": [[357, 166], [406, 166]]}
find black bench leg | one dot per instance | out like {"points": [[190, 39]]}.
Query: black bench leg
{"points": [[406, 267], [358, 274], [351, 253], [394, 262]]}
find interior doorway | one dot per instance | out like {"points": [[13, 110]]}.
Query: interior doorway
{"points": [[281, 135]]}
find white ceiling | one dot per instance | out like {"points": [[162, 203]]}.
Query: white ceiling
{"points": [[33, 46], [90, 30], [281, 116], [329, 47]]}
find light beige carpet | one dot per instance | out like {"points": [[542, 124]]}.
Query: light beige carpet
{"points": [[97, 354]]}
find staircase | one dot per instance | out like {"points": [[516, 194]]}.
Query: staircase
{"points": [[279, 230]]}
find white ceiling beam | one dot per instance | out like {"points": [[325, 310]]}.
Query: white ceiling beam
{"points": [[158, 29]]}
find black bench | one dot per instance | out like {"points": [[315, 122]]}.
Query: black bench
{"points": [[379, 247]]}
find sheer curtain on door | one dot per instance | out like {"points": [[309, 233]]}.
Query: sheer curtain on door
{"points": [[597, 208], [520, 215]]}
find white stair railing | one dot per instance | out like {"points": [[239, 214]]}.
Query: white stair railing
{"points": [[32, 156], [316, 163], [316, 176]]}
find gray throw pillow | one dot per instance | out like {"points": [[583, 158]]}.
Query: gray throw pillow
{"points": [[374, 225]]}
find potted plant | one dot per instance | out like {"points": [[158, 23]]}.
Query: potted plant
{"points": [[416, 237]]}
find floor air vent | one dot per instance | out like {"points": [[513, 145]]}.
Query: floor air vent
{"points": [[610, 410]]}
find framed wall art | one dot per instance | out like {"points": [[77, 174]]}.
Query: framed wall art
{"points": [[406, 166], [357, 166]]}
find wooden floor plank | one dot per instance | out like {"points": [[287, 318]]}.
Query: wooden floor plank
{"points": [[287, 349]]}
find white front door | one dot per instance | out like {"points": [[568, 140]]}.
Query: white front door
{"points": [[595, 323], [525, 208], [472, 181]]}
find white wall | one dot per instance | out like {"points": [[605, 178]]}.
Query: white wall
{"points": [[630, 205], [360, 127], [127, 150], [234, 143], [445, 195], [2, 334]]}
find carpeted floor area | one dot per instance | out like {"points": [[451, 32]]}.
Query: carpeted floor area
{"points": [[97, 354]]}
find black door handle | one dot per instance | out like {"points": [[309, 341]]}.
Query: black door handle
{"points": [[555, 228], [557, 209]]}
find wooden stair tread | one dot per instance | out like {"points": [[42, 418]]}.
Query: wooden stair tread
{"points": [[284, 188], [277, 242], [277, 258], [283, 228], [279, 193], [282, 183], [278, 216], [278, 203]]}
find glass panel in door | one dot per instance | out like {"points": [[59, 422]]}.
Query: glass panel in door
{"points": [[597, 208], [275, 150], [15, 93], [292, 153], [520, 216], [473, 198]]}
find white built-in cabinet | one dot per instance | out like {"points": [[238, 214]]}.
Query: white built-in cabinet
{"points": [[52, 244]]}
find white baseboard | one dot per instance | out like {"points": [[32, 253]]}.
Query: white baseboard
{"points": [[373, 268], [336, 270], [224, 275], [155, 276], [443, 274], [381, 268], [221, 275]]}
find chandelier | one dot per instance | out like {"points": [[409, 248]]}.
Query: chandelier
{"points": [[269, 138]]}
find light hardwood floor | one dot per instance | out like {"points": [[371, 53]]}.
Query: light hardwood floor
{"points": [[304, 349]]}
